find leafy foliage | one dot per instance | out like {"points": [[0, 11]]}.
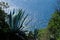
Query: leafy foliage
{"points": [[43, 34], [54, 25], [3, 5], [3, 25]]}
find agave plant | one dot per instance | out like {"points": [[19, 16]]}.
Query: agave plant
{"points": [[15, 22], [12, 25]]}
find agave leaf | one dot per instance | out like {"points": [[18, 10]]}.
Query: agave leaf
{"points": [[10, 21], [22, 15], [22, 22], [28, 22], [14, 11], [21, 28], [17, 18]]}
